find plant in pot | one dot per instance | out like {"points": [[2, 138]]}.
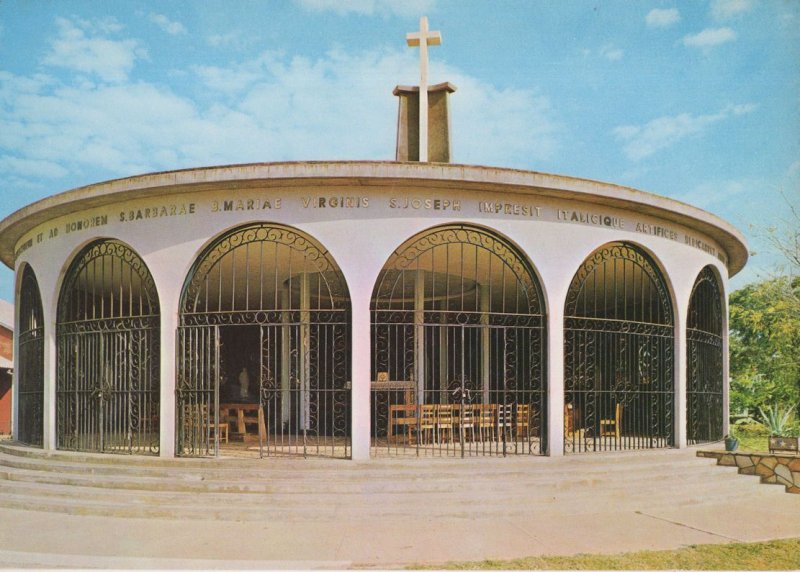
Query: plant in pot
{"points": [[778, 419], [731, 443]]}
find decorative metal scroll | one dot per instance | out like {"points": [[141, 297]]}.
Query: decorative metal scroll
{"points": [[30, 361], [458, 338], [108, 344], [266, 247], [704, 374], [618, 354], [265, 305]]}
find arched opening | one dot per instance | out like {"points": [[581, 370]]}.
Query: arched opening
{"points": [[618, 354], [264, 348], [30, 361], [458, 348], [108, 338], [704, 360]]}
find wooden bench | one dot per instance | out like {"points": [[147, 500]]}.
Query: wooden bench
{"points": [[785, 444], [401, 416]]}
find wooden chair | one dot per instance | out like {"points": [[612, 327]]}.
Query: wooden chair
{"points": [[504, 420], [402, 418], [572, 422], [486, 420], [427, 421], [522, 421], [612, 427], [444, 421], [465, 417], [196, 420]]}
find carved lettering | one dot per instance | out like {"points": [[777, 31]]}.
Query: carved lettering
{"points": [[335, 202], [513, 209], [425, 204], [157, 211]]}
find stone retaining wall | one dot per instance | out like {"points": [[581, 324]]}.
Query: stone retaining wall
{"points": [[773, 468]]}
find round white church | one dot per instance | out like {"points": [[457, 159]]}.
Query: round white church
{"points": [[361, 309], [357, 308]]}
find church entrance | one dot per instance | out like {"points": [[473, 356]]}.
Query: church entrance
{"points": [[263, 356], [458, 340]]}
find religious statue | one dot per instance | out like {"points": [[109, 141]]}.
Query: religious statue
{"points": [[244, 383]]}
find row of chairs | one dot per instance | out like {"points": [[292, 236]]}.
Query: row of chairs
{"points": [[433, 423]]}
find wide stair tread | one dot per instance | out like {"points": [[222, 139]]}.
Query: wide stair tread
{"points": [[222, 489]]}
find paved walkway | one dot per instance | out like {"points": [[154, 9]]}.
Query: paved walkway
{"points": [[342, 538]]}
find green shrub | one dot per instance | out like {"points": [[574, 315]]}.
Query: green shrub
{"points": [[750, 429]]}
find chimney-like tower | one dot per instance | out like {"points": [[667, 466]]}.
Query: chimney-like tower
{"points": [[438, 123]]}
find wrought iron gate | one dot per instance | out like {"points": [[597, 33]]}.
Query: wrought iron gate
{"points": [[263, 348], [30, 362], [618, 354], [107, 388], [458, 348], [704, 361]]}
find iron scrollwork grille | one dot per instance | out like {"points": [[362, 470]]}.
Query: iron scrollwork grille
{"points": [[458, 338], [618, 354], [30, 363], [265, 325], [704, 361], [108, 345]]}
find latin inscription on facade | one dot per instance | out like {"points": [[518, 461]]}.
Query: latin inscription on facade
{"points": [[335, 202], [157, 212], [245, 205], [424, 204], [514, 209], [396, 204], [587, 217], [656, 230]]}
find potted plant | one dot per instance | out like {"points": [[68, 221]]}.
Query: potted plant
{"points": [[731, 443], [777, 419]]}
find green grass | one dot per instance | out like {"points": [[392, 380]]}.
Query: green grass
{"points": [[751, 438], [772, 555]]}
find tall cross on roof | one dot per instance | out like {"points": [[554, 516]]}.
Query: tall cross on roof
{"points": [[423, 39]]}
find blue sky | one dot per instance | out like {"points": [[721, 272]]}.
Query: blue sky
{"points": [[694, 100]]}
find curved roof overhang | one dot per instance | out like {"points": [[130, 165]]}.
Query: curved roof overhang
{"points": [[374, 173]]}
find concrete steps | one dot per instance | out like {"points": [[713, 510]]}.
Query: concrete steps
{"points": [[244, 489]]}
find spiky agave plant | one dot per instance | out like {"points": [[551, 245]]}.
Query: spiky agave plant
{"points": [[777, 418]]}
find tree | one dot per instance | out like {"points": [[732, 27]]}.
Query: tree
{"points": [[765, 328], [765, 344]]}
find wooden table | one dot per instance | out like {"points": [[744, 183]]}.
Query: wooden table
{"points": [[243, 414]]}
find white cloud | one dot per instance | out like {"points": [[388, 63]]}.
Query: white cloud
{"points": [[709, 38], [725, 9], [230, 80], [641, 141], [170, 27], [111, 60], [370, 7], [508, 128], [659, 18], [271, 108], [31, 167], [608, 52], [221, 40], [711, 195], [611, 53]]}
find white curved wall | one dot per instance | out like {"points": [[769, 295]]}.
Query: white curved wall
{"points": [[361, 239]]}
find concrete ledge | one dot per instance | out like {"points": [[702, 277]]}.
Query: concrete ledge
{"points": [[773, 468]]}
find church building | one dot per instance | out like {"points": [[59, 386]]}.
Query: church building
{"points": [[369, 308]]}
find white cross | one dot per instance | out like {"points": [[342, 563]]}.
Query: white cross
{"points": [[423, 39]]}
